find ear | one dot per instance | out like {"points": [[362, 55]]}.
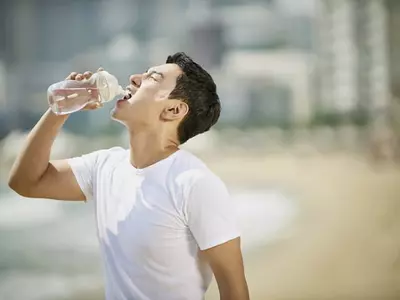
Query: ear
{"points": [[176, 110]]}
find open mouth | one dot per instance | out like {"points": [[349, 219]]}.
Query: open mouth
{"points": [[129, 92], [127, 96], [124, 99]]}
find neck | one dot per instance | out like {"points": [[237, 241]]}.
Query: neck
{"points": [[149, 147]]}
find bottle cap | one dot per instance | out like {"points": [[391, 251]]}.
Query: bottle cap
{"points": [[108, 86]]}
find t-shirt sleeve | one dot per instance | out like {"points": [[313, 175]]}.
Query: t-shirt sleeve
{"points": [[210, 213], [85, 169]]}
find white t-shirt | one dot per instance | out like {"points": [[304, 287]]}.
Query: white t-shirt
{"points": [[152, 222]]}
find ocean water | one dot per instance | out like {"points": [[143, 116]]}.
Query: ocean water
{"points": [[48, 249]]}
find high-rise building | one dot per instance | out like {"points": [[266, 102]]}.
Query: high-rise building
{"points": [[394, 66], [352, 52]]}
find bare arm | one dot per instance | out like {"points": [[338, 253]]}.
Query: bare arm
{"points": [[212, 220], [33, 174], [227, 265]]}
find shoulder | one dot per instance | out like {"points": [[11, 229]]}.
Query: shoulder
{"points": [[113, 154], [99, 158], [188, 167], [188, 172]]}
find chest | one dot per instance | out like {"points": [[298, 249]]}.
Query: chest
{"points": [[137, 213]]}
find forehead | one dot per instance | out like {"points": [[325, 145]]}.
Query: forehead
{"points": [[172, 70]]}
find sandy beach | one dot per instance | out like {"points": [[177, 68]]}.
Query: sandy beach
{"points": [[345, 244]]}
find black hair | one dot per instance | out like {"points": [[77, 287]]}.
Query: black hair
{"points": [[197, 89]]}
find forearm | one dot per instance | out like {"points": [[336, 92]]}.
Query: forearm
{"points": [[33, 159], [234, 292]]}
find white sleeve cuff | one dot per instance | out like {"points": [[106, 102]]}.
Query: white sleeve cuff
{"points": [[78, 168], [219, 241]]}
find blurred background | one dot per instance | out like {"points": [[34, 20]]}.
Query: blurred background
{"points": [[308, 141]]}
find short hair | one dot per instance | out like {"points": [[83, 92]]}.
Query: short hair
{"points": [[197, 89]]}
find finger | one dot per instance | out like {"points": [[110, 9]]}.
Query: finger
{"points": [[93, 105], [100, 69], [79, 77], [72, 76], [87, 74], [90, 106]]}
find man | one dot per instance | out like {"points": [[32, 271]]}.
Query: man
{"points": [[165, 222]]}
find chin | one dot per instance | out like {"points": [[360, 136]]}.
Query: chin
{"points": [[117, 115], [123, 116]]}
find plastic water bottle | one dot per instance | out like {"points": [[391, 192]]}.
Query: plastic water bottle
{"points": [[69, 96]]}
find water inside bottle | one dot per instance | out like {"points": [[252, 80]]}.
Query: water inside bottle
{"points": [[68, 100]]}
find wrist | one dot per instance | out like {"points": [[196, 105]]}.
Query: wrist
{"points": [[51, 114]]}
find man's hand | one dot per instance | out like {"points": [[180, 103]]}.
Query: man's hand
{"points": [[85, 76], [227, 265]]}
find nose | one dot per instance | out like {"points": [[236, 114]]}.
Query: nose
{"points": [[136, 80]]}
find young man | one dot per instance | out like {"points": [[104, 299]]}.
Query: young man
{"points": [[165, 222]]}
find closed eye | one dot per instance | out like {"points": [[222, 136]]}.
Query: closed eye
{"points": [[149, 76], [157, 76]]}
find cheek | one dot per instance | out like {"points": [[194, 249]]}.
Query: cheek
{"points": [[164, 92], [163, 95], [145, 94], [150, 86], [144, 108]]}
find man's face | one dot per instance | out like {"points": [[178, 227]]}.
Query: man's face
{"points": [[149, 99]]}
